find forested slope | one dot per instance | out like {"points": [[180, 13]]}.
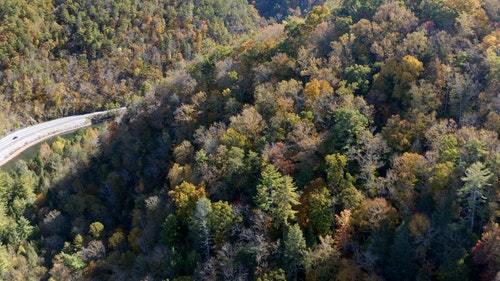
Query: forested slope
{"points": [[354, 140], [65, 57]]}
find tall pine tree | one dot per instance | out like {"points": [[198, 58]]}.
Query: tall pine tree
{"points": [[277, 194], [477, 177]]}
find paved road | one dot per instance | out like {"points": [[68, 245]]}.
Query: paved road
{"points": [[16, 142]]}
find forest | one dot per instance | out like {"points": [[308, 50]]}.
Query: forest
{"points": [[263, 140]]}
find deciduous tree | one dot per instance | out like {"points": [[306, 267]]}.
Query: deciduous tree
{"points": [[322, 262], [185, 197], [221, 218], [373, 213], [487, 251]]}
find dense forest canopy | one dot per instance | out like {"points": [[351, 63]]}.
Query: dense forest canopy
{"points": [[264, 140]]}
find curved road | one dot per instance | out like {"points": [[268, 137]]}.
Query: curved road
{"points": [[16, 142]]}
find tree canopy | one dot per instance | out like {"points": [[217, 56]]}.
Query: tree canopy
{"points": [[263, 140]]}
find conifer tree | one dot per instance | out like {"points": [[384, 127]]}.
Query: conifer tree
{"points": [[295, 250], [276, 194], [477, 177]]}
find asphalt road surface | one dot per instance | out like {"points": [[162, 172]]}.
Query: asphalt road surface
{"points": [[16, 142]]}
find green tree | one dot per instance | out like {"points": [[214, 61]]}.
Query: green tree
{"points": [[73, 262], [5, 260], [169, 233], [358, 75], [294, 251], [441, 176], [349, 196], [438, 11], [473, 193], [320, 211], [5, 220], [316, 207], [96, 229], [277, 195], [77, 244], [24, 229], [448, 150], [316, 16], [221, 219], [16, 233], [273, 275], [358, 9], [199, 227], [335, 165], [349, 124]]}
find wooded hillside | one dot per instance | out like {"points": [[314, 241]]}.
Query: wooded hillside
{"points": [[264, 140]]}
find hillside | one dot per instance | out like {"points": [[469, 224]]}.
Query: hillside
{"points": [[264, 140]]}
